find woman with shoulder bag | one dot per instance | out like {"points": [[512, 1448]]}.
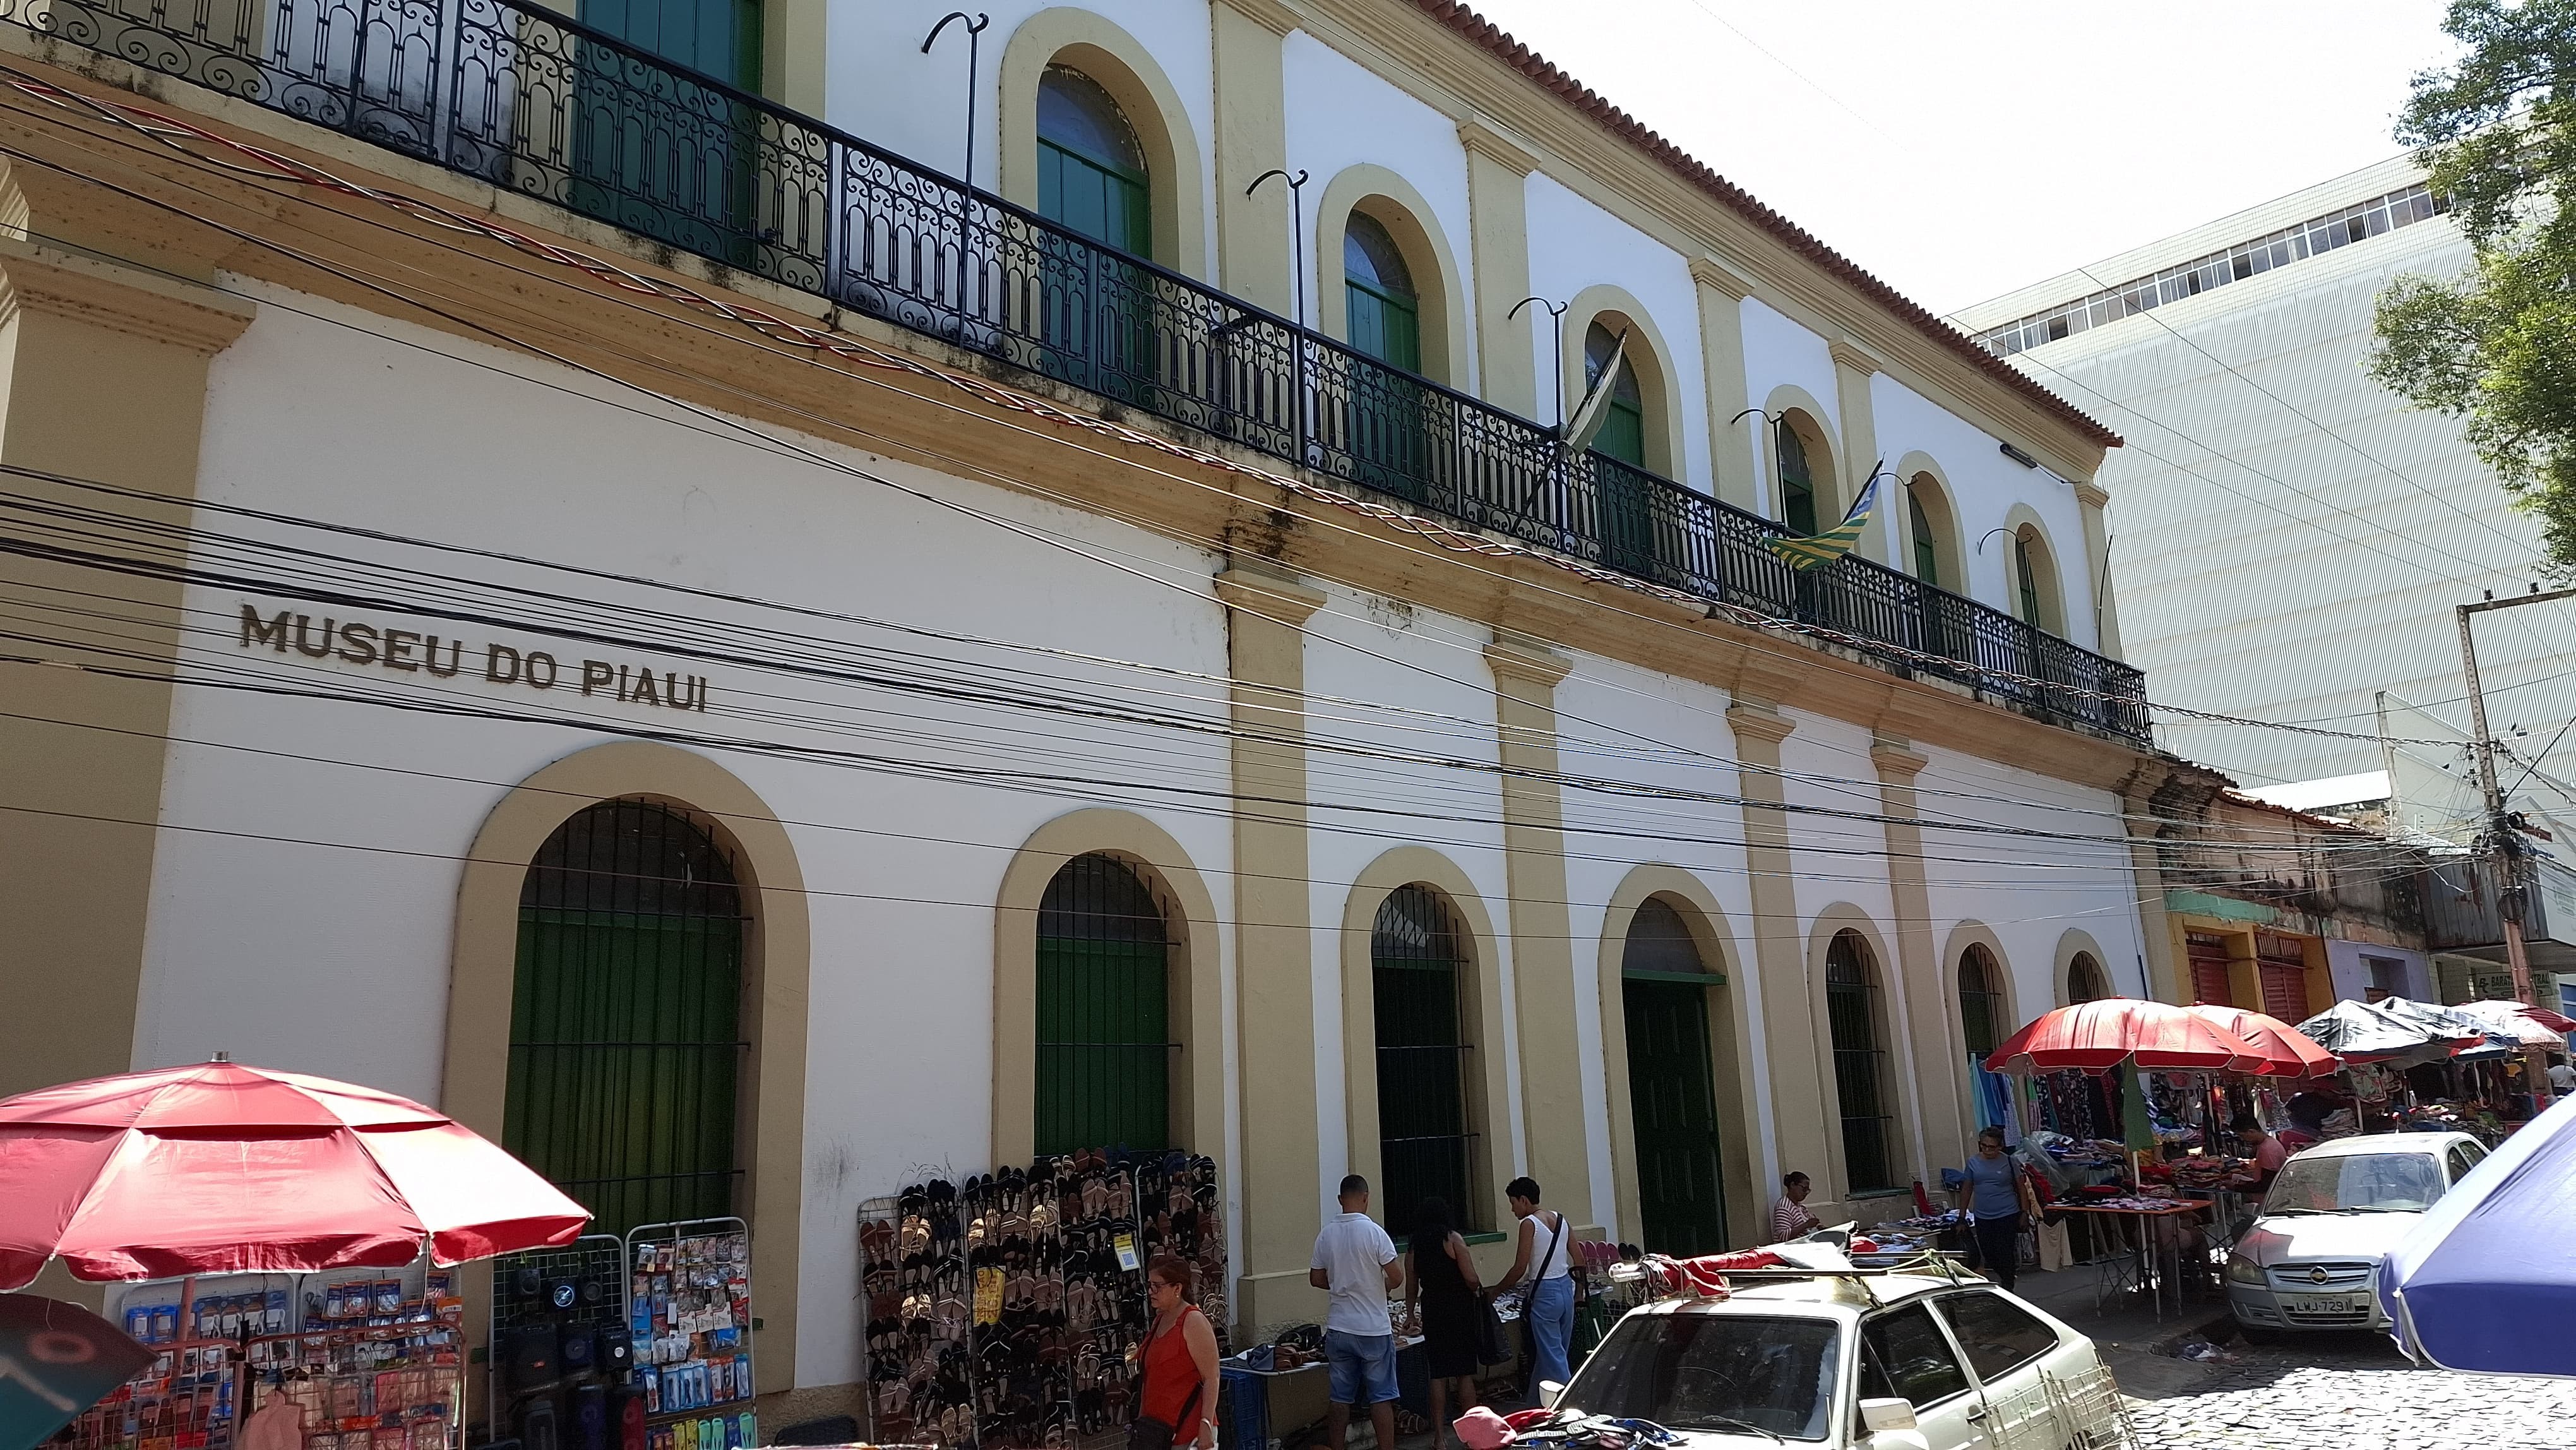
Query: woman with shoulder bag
{"points": [[1176, 1369], [1440, 1286]]}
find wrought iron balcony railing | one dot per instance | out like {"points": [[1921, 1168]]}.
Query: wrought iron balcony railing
{"points": [[524, 98]]}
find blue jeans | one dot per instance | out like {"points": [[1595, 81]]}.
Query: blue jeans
{"points": [[1550, 1317], [1362, 1368]]}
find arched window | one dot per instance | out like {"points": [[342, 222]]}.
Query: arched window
{"points": [[1672, 1082], [1927, 539], [1797, 483], [1623, 428], [2034, 580], [1981, 1025], [1860, 1063], [1103, 1030], [1384, 308], [1425, 1142], [1091, 168], [625, 1019], [2086, 981]]}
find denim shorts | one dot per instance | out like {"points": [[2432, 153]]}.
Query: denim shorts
{"points": [[1363, 1367]]}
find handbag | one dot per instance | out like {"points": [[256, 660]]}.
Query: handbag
{"points": [[1491, 1346], [1145, 1432]]}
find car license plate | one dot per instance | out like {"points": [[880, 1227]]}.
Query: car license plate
{"points": [[2326, 1304]]}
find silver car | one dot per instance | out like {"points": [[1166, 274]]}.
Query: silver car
{"points": [[2311, 1259]]}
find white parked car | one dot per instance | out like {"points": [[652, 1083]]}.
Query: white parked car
{"points": [[2311, 1259], [1854, 1362]]}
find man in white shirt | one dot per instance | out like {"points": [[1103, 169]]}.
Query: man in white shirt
{"points": [[1355, 1263], [2562, 1079]]}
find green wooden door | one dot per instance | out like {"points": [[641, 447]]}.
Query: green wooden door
{"points": [[1103, 1011], [1672, 1095], [658, 152], [1097, 309], [625, 1030]]}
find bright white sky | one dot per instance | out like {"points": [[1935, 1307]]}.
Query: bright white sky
{"points": [[1963, 148]]}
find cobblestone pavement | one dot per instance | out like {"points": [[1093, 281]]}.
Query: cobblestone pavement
{"points": [[2354, 1391]]}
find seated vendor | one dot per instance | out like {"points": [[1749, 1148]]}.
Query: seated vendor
{"points": [[1789, 1216], [2267, 1153]]}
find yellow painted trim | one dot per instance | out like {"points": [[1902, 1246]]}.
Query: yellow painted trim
{"points": [[1954, 1024], [1489, 1113], [1730, 1030], [1853, 370], [2076, 940], [777, 967], [1928, 1032], [1253, 258], [1779, 951], [2020, 519], [1915, 470], [1175, 164], [1498, 238], [1734, 439], [1813, 422], [1616, 307], [1195, 976], [1392, 202]]}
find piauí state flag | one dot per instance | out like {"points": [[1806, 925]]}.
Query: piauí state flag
{"points": [[1823, 549]]}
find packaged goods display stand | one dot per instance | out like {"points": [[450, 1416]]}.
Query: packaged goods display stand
{"points": [[634, 1343], [363, 1360], [1006, 1312]]}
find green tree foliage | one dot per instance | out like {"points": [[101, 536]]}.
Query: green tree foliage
{"points": [[2496, 347]]}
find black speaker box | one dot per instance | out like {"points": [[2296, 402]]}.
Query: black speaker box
{"points": [[535, 1357], [590, 1418], [580, 1352], [615, 1354], [536, 1424]]}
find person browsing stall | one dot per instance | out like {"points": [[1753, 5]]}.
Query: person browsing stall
{"points": [[1441, 1288], [2267, 1155], [1355, 1263], [1546, 1259], [1995, 1198], [1178, 1388], [1789, 1216]]}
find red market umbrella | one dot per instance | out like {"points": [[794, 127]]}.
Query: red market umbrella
{"points": [[222, 1168], [2287, 1052], [2557, 1022], [2100, 1035]]}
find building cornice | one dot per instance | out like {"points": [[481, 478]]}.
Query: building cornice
{"points": [[1452, 60], [1482, 139], [101, 293], [1271, 15]]}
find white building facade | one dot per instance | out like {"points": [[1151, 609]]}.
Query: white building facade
{"points": [[1006, 687]]}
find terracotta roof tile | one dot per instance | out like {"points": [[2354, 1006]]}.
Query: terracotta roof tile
{"points": [[1538, 68]]}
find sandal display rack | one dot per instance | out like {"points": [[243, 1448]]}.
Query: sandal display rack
{"points": [[1005, 1313]]}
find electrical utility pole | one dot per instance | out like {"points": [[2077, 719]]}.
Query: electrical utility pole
{"points": [[2499, 831]]}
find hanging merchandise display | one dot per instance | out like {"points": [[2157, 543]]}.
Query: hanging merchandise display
{"points": [[688, 1309], [1006, 1311], [350, 1360]]}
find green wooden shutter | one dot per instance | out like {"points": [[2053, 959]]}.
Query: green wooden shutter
{"points": [[1797, 486], [1103, 1016], [625, 1036], [1383, 325]]}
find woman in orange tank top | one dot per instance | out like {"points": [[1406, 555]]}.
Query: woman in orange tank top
{"points": [[1178, 1363]]}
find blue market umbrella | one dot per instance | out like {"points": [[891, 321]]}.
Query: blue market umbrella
{"points": [[2478, 1283]]}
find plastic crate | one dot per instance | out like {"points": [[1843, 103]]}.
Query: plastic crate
{"points": [[1247, 1404]]}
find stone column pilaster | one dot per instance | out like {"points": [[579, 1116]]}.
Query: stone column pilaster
{"points": [[1932, 1032], [1853, 370], [1526, 673], [1796, 1135], [2097, 566], [1734, 438], [1252, 251], [1274, 944], [1498, 224]]}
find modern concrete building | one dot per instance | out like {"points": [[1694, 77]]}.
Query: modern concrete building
{"points": [[2287, 538]]}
